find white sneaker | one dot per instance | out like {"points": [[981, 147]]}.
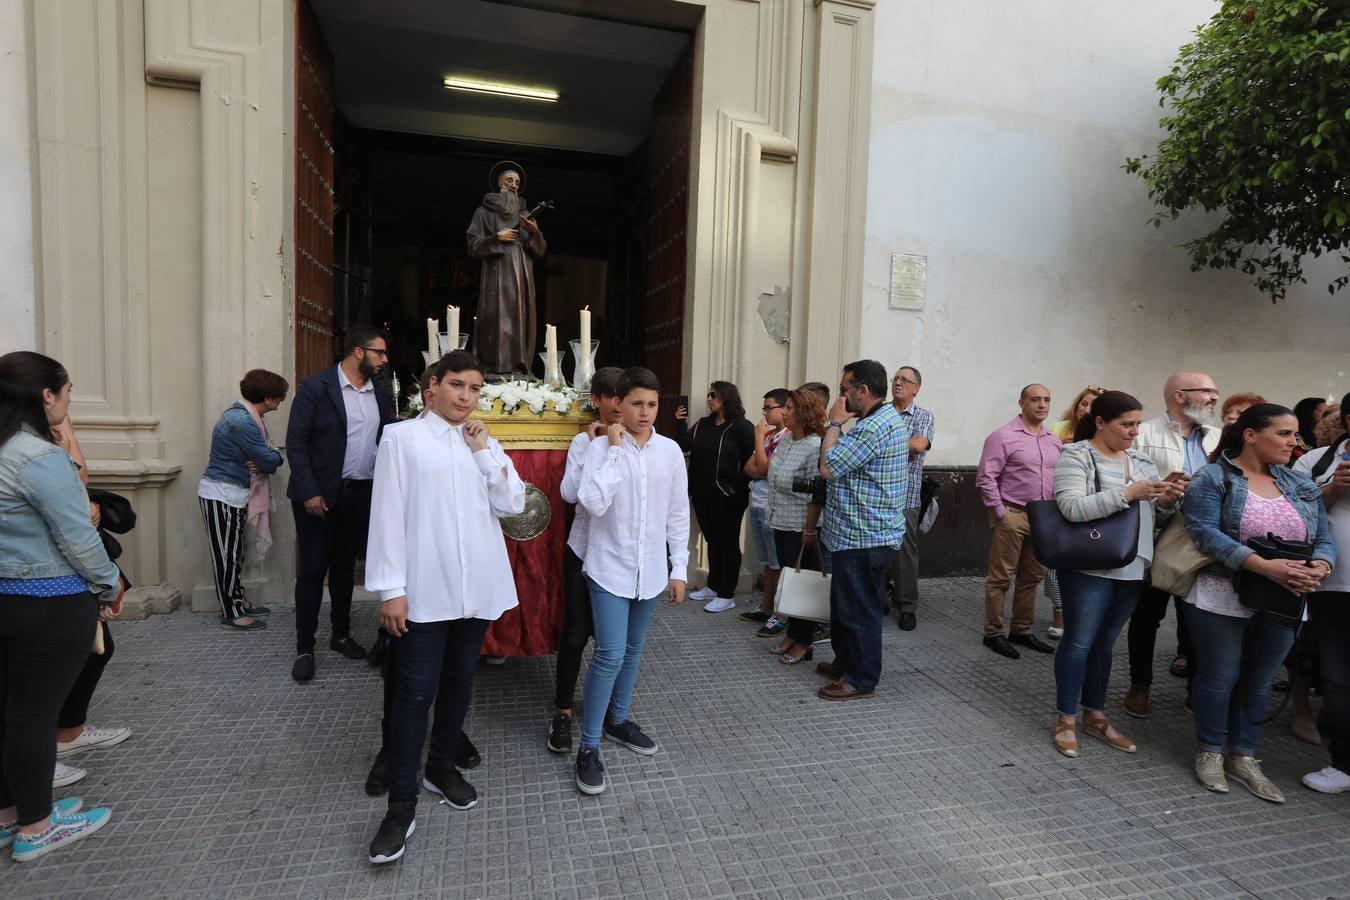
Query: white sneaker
{"points": [[1055, 633], [1330, 780], [64, 775], [720, 604], [91, 738], [703, 594]]}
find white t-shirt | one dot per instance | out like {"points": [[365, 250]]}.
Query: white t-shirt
{"points": [[1338, 514]]}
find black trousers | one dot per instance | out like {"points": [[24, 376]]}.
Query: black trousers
{"points": [[719, 518], [788, 543], [434, 661], [75, 711], [1142, 636], [328, 547], [576, 630], [43, 643]]}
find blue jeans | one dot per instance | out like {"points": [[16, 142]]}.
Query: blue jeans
{"points": [[1095, 609], [433, 661], [1235, 663], [762, 535], [621, 625], [857, 595]]}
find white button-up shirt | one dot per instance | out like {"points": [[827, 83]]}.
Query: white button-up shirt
{"points": [[571, 483], [638, 501], [363, 424], [434, 534]]}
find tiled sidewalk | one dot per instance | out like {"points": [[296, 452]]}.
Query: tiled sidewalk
{"points": [[240, 783]]}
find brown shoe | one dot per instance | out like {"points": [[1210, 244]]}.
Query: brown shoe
{"points": [[1305, 729], [1136, 701], [827, 670], [1097, 728], [842, 690], [1066, 741]]}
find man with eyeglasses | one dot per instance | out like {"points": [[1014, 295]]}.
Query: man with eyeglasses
{"points": [[335, 426], [1179, 441], [905, 574], [769, 433]]}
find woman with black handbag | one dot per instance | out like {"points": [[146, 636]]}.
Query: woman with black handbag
{"points": [[1248, 496], [1098, 476]]}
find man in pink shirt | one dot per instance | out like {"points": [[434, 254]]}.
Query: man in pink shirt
{"points": [[1017, 466]]}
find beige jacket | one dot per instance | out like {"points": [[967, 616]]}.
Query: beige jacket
{"points": [[1161, 439]]}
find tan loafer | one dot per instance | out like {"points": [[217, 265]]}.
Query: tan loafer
{"points": [[1097, 728]]}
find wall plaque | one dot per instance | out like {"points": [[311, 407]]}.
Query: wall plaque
{"points": [[909, 275]]}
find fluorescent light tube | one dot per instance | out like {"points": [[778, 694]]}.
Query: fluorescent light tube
{"points": [[500, 89]]}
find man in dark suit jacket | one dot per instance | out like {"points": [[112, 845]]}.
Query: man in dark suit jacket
{"points": [[335, 426]]}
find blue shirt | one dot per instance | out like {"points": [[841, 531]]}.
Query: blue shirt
{"points": [[865, 498], [1193, 447], [921, 423]]}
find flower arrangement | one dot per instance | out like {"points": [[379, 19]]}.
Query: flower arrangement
{"points": [[534, 396]]}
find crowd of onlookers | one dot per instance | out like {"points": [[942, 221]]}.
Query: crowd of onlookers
{"points": [[1228, 513]]}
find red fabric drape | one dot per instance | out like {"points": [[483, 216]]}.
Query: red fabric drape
{"points": [[534, 628]]}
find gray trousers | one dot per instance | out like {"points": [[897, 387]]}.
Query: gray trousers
{"points": [[905, 571]]}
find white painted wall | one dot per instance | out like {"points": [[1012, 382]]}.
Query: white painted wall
{"points": [[17, 304], [997, 136]]}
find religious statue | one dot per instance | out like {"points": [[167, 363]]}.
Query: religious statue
{"points": [[508, 241]]}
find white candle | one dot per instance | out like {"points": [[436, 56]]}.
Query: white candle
{"points": [[551, 350], [586, 333], [452, 320], [433, 343]]}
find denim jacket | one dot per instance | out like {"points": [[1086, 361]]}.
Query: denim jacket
{"points": [[1216, 498], [44, 516], [235, 441]]}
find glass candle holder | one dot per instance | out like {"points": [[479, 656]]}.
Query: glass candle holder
{"points": [[583, 364]]}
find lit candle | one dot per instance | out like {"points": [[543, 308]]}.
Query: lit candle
{"points": [[452, 320], [586, 333], [551, 351], [433, 343]]}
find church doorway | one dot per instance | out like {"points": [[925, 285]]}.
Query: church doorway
{"points": [[391, 165]]}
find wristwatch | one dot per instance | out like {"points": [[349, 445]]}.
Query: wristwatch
{"points": [[833, 424]]}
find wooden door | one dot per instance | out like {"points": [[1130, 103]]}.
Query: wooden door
{"points": [[315, 331], [668, 175]]}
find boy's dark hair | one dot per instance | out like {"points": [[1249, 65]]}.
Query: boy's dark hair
{"points": [[605, 382], [870, 374], [634, 378], [258, 385], [360, 335], [456, 361], [779, 396]]}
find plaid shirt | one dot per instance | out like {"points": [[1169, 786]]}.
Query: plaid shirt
{"points": [[921, 424], [865, 500]]}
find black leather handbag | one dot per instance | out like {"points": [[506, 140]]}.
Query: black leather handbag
{"points": [[1108, 543], [1269, 600]]}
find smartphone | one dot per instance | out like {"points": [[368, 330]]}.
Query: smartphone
{"points": [[1175, 476], [682, 400]]}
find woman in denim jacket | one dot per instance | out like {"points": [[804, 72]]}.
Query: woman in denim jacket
{"points": [[53, 572], [1247, 491], [235, 489]]}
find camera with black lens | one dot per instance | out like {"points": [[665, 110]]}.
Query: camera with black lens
{"points": [[813, 486]]}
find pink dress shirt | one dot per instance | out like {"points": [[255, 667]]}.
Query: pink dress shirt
{"points": [[1017, 466]]}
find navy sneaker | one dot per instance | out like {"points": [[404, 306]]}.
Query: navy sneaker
{"points": [[560, 734], [451, 786], [631, 737], [590, 772], [398, 825]]}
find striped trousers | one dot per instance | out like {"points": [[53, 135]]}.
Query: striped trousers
{"points": [[225, 534]]}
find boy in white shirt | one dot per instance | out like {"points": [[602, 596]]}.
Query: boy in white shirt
{"points": [[635, 490], [437, 558], [577, 628]]}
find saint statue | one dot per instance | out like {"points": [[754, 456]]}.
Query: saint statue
{"points": [[508, 241]]}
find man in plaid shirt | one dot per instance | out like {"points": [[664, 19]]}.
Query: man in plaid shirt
{"points": [[905, 386], [864, 524]]}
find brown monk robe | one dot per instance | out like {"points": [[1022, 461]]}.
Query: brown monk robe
{"points": [[508, 243]]}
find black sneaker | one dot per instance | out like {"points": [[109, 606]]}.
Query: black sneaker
{"points": [[755, 615], [467, 756], [631, 737], [451, 786], [377, 782], [398, 825], [347, 647], [303, 670], [590, 772], [560, 734]]}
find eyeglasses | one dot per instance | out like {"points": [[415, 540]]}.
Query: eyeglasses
{"points": [[1208, 391], [899, 379], [769, 408], [384, 354], [712, 395]]}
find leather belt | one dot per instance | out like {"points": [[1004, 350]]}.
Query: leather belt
{"points": [[356, 484], [1017, 506]]}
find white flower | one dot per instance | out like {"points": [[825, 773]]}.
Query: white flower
{"points": [[562, 405], [484, 403]]}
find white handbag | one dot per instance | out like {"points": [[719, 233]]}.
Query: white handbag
{"points": [[803, 594]]}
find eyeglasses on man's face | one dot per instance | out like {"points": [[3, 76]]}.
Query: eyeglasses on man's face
{"points": [[900, 379], [1207, 391], [384, 354], [767, 408]]}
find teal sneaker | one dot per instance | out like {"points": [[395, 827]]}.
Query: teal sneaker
{"points": [[62, 830], [64, 807]]}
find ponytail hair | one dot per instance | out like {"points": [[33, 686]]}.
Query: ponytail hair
{"points": [[1109, 406], [1257, 418], [23, 376]]}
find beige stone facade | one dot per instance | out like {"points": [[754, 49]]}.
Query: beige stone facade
{"points": [[162, 174]]}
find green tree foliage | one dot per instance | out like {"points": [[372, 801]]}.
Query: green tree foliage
{"points": [[1258, 129]]}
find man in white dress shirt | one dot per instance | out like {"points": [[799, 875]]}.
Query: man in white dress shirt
{"points": [[635, 491], [437, 559]]}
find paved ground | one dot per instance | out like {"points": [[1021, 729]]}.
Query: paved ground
{"points": [[240, 783]]}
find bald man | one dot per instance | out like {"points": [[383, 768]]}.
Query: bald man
{"points": [[1017, 466], [1180, 440]]}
